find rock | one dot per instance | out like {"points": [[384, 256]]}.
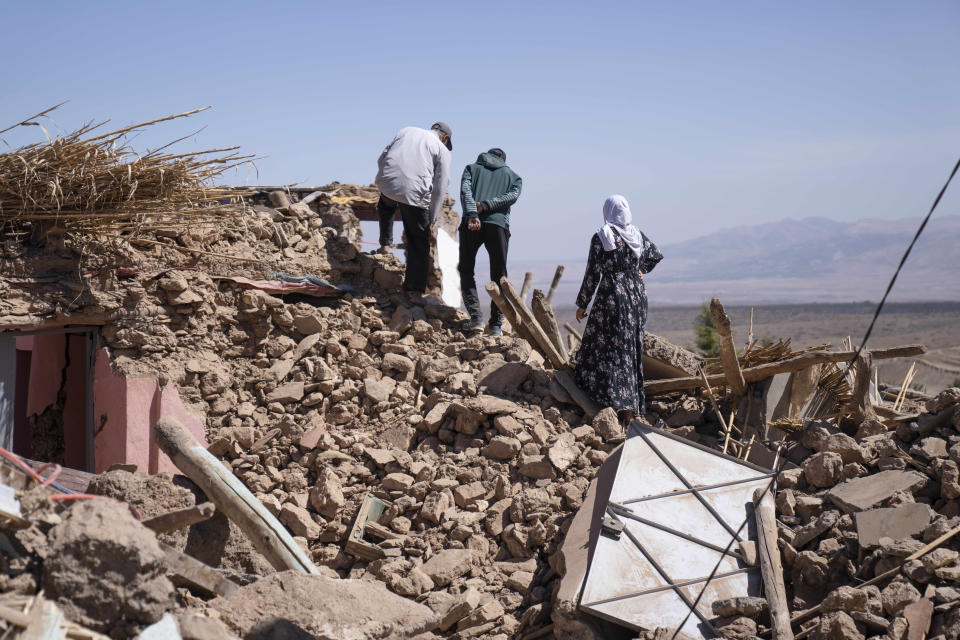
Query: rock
{"points": [[815, 529], [327, 495], [740, 606], [104, 569], [846, 599], [287, 393], [297, 605], [930, 448], [436, 370], [838, 625], [844, 446], [459, 608], [490, 612], [943, 400], [448, 565], [918, 615], [434, 506], [860, 494], [308, 322], [492, 405], [520, 581], [537, 467], [823, 469], [564, 451], [379, 390], [899, 522], [194, 626], [897, 595], [397, 482], [398, 367], [501, 448], [299, 521], [949, 474], [500, 377], [466, 495], [607, 425]]}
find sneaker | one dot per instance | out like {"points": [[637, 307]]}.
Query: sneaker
{"points": [[473, 326], [495, 330]]}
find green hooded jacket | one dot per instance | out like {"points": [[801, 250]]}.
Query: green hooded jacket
{"points": [[489, 181]]}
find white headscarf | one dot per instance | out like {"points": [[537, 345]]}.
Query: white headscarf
{"points": [[617, 216]]}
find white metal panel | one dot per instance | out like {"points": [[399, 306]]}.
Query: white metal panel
{"points": [[682, 537]]}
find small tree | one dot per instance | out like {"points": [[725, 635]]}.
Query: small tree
{"points": [[956, 382], [708, 342]]}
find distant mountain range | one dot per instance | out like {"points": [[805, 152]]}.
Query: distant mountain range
{"points": [[806, 260]]}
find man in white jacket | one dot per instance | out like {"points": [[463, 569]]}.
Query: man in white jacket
{"points": [[412, 174]]}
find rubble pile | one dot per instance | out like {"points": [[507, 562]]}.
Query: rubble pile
{"points": [[859, 506], [478, 455]]}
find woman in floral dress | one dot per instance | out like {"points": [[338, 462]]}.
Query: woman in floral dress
{"points": [[609, 361]]}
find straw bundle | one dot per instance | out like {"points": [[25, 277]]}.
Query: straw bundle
{"points": [[87, 183]]}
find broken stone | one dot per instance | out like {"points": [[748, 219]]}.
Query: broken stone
{"points": [[740, 606], [823, 469], [537, 467], [448, 565], [299, 521], [286, 393], [899, 522], [564, 451], [467, 495], [847, 599], [897, 595], [397, 482], [459, 608], [379, 390], [815, 529], [838, 625], [930, 448], [501, 447], [607, 425], [490, 612], [501, 377], [865, 493], [327, 495]]}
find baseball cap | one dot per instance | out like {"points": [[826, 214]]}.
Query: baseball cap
{"points": [[443, 127]]}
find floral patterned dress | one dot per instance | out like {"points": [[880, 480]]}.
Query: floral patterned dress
{"points": [[609, 361]]}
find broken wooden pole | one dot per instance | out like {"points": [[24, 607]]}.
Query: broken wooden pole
{"points": [[167, 522], [553, 285], [232, 498], [770, 566], [573, 331], [507, 309], [527, 281], [543, 312], [728, 352], [184, 568], [796, 363], [530, 323], [860, 406]]}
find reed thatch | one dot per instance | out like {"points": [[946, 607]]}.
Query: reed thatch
{"points": [[85, 183]]}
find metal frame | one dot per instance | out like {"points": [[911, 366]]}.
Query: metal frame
{"points": [[620, 511]]}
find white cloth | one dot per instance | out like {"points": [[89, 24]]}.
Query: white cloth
{"points": [[617, 217], [415, 169]]}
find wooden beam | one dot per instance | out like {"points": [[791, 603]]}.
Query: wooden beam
{"points": [[528, 321], [860, 405], [543, 312], [527, 281], [556, 281], [167, 522], [573, 331], [770, 566], [232, 497], [507, 309], [797, 363], [728, 352], [196, 573]]}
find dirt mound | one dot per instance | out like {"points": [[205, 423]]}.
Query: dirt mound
{"points": [[295, 605], [105, 569]]}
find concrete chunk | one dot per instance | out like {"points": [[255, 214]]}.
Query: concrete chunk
{"points": [[860, 494], [663, 359], [897, 523]]}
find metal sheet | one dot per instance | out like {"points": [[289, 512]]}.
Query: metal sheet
{"points": [[678, 529]]}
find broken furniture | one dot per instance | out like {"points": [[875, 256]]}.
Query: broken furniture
{"points": [[367, 525]]}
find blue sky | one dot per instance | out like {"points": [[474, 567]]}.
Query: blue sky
{"points": [[704, 114]]}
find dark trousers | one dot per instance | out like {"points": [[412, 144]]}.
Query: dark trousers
{"points": [[495, 239], [416, 227]]}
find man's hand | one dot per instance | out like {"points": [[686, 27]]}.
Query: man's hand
{"points": [[581, 312], [473, 224]]}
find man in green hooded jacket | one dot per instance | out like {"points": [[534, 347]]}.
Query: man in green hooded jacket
{"points": [[487, 191]]}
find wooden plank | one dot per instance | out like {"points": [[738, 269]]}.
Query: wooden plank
{"points": [[860, 405], [527, 281], [573, 331], [232, 498], [797, 363], [167, 522], [530, 323], [543, 312], [728, 352], [770, 566], [196, 573], [494, 292]]}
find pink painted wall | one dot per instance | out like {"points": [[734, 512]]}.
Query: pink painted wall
{"points": [[46, 372], [131, 407]]}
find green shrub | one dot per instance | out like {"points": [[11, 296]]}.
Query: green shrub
{"points": [[708, 341]]}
